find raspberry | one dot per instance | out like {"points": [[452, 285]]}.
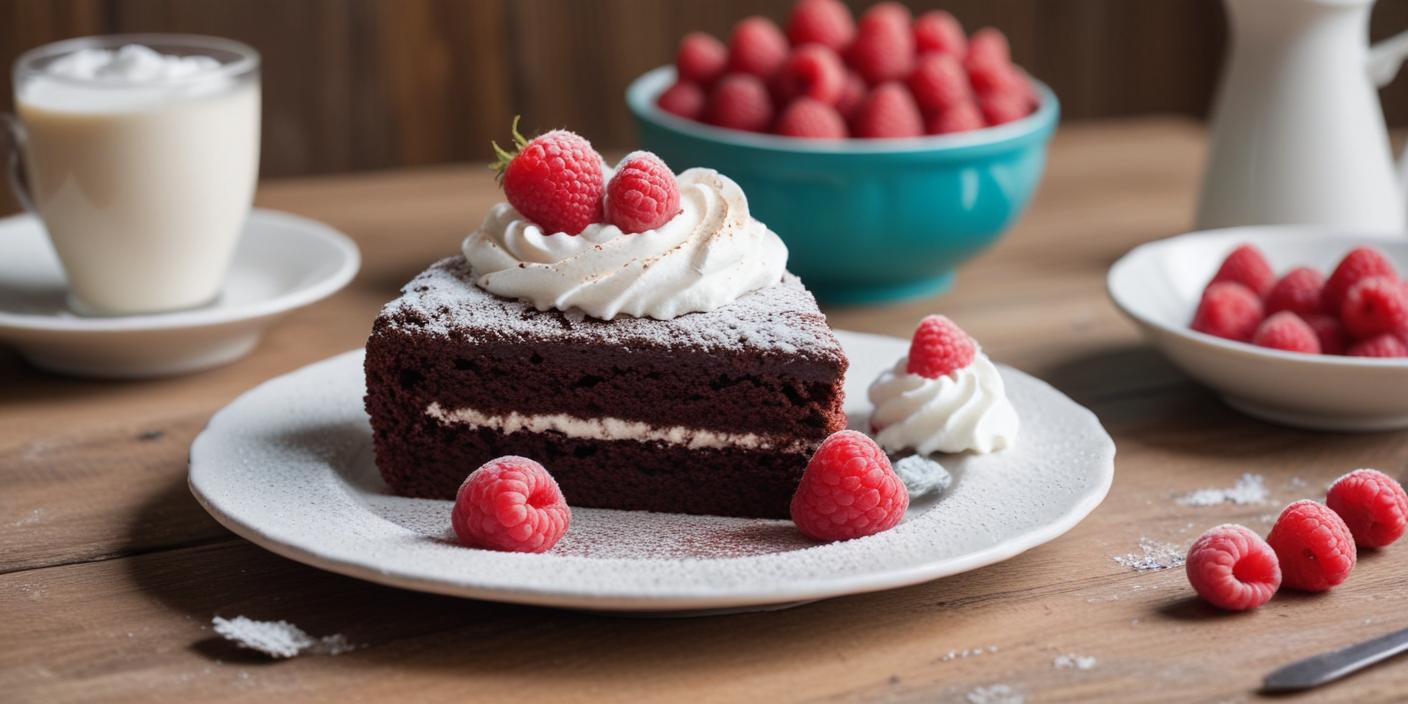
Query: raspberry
{"points": [[962, 117], [1382, 346], [884, 47], [1298, 292], [1373, 306], [1359, 263], [888, 111], [700, 59], [1286, 331], [852, 95], [1246, 266], [811, 119], [824, 22], [1314, 545], [554, 180], [848, 491], [684, 99], [988, 46], [938, 31], [1002, 107], [642, 194], [1228, 310], [739, 101], [510, 504], [1333, 339], [812, 71], [939, 83], [756, 47], [989, 62], [1233, 568], [939, 347], [1372, 504]]}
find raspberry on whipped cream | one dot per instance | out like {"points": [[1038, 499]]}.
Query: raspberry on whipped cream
{"points": [[965, 409], [707, 256]]}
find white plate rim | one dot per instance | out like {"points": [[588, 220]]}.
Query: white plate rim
{"points": [[348, 262], [809, 591]]}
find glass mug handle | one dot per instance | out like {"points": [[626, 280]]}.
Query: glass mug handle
{"points": [[15, 136]]}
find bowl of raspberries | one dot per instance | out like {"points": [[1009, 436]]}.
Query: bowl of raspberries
{"points": [[885, 148], [1300, 326]]}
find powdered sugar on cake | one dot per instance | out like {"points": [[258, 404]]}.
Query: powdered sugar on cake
{"points": [[704, 258]]}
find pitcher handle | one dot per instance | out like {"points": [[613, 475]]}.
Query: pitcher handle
{"points": [[1386, 57], [15, 136]]}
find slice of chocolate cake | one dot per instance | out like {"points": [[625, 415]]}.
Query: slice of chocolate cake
{"points": [[709, 412]]}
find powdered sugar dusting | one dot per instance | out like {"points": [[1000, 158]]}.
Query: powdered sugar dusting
{"points": [[1152, 555], [1250, 489], [278, 639], [995, 694], [1074, 662]]}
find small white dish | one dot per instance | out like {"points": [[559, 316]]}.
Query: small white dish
{"points": [[288, 466], [1158, 285], [283, 262]]}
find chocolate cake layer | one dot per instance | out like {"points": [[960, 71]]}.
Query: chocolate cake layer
{"points": [[662, 409]]}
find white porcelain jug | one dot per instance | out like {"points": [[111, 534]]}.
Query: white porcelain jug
{"points": [[1298, 136]]}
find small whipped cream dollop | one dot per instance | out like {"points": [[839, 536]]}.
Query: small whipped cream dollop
{"points": [[707, 256], [133, 63], [965, 410]]}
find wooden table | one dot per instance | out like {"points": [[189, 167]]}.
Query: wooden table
{"points": [[110, 572]]}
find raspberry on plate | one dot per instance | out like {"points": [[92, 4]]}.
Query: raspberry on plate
{"points": [[1383, 346], [811, 119], [1374, 306], [756, 47], [962, 117], [1228, 310], [1247, 266], [642, 194], [824, 22], [554, 179], [510, 504], [1314, 545], [684, 99], [939, 348], [884, 46], [1233, 568], [888, 112], [1287, 332], [848, 490], [938, 31], [739, 101], [812, 71], [1359, 263], [700, 59], [1298, 292], [939, 83], [1372, 504]]}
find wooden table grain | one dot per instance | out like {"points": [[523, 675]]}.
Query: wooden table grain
{"points": [[110, 572]]}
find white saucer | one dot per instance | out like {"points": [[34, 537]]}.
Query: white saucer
{"points": [[283, 262], [1158, 286], [288, 466]]}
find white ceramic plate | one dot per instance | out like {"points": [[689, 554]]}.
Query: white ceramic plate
{"points": [[283, 262], [288, 466], [1158, 286]]}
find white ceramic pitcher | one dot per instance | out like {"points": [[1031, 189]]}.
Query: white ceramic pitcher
{"points": [[1298, 136]]}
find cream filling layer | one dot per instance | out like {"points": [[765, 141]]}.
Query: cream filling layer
{"points": [[609, 428]]}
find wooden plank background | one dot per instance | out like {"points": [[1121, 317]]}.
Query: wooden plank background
{"points": [[372, 84]]}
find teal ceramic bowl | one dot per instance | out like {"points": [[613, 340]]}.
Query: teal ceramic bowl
{"points": [[866, 221]]}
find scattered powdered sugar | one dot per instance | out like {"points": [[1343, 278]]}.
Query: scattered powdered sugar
{"points": [[1250, 489], [278, 639], [1152, 555], [952, 655], [995, 694], [1074, 662], [921, 474]]}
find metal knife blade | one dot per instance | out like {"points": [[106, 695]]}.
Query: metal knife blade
{"points": [[1328, 667]]}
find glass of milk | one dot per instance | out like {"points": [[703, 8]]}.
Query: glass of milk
{"points": [[140, 154]]}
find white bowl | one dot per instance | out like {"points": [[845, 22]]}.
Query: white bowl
{"points": [[1158, 286]]}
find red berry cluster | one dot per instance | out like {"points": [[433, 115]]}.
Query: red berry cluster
{"points": [[831, 77], [1311, 547], [1361, 310], [557, 180]]}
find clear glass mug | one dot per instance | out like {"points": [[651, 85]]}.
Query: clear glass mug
{"points": [[143, 186]]}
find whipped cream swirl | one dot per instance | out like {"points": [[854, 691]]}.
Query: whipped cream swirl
{"points": [[707, 256], [965, 410]]}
